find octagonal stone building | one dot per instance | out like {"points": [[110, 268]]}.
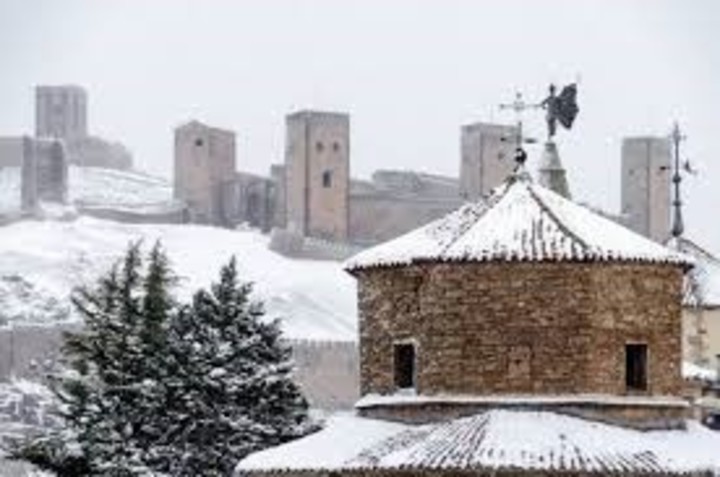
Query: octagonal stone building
{"points": [[521, 336], [527, 299]]}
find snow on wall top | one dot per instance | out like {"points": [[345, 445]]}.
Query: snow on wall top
{"points": [[521, 221], [497, 439]]}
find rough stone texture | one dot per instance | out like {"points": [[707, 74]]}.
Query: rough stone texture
{"points": [[44, 172], [326, 371], [60, 111], [11, 151], [641, 417], [250, 199], [277, 176], [375, 218], [318, 146], [204, 165], [527, 328], [645, 182], [487, 158]]}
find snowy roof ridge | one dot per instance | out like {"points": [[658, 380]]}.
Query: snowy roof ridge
{"points": [[493, 440], [520, 221]]}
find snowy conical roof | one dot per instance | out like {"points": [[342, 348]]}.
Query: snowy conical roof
{"points": [[521, 221]]}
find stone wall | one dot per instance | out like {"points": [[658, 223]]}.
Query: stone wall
{"points": [[498, 328], [375, 218], [326, 371]]}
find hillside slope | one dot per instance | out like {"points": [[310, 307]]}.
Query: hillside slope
{"points": [[41, 261], [93, 186]]}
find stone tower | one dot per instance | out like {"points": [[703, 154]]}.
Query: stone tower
{"points": [[317, 168], [44, 172], [61, 112], [646, 176], [487, 158], [204, 167]]}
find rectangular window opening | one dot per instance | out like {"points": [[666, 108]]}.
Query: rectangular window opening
{"points": [[327, 179], [405, 365], [636, 367]]}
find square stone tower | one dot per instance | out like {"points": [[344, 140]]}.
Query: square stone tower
{"points": [[645, 180], [487, 158], [61, 112], [44, 172], [204, 169], [317, 174]]}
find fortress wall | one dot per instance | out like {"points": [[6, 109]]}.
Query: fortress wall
{"points": [[376, 218], [326, 371]]}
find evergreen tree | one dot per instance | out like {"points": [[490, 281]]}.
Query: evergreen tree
{"points": [[110, 392], [152, 386], [235, 380]]}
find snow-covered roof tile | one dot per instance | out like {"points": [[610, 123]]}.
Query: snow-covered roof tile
{"points": [[497, 439], [520, 221]]}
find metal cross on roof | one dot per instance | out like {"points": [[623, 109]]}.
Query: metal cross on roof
{"points": [[519, 106]]}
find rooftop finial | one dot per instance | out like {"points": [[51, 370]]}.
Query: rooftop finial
{"points": [[679, 167]]}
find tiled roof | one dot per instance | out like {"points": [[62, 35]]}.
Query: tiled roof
{"points": [[495, 440], [521, 221]]}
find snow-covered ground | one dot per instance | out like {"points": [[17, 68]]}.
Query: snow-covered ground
{"points": [[93, 186], [41, 262]]}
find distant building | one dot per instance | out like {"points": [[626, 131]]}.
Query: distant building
{"points": [[204, 169], [317, 174], [645, 186], [61, 112], [44, 172], [486, 158]]}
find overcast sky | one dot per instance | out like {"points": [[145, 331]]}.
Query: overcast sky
{"points": [[410, 73]]}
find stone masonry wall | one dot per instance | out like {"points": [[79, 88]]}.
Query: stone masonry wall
{"points": [[495, 328]]}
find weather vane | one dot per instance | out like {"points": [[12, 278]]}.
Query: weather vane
{"points": [[679, 167], [561, 108]]}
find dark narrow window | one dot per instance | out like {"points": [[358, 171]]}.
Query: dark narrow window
{"points": [[636, 367], [319, 146], [336, 146], [327, 179], [198, 142], [405, 366]]}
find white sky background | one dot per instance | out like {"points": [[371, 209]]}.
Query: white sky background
{"points": [[409, 72]]}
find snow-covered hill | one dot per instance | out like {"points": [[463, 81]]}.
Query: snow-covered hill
{"points": [[41, 261], [93, 186]]}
